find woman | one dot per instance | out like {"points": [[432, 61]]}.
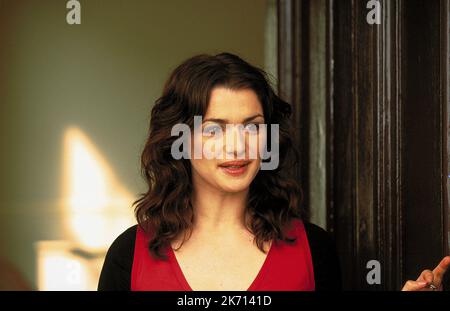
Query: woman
{"points": [[220, 223], [227, 219]]}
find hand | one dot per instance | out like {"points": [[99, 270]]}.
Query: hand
{"points": [[428, 277]]}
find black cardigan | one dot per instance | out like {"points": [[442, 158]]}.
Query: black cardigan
{"points": [[116, 271]]}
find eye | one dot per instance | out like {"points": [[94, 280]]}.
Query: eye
{"points": [[211, 130], [252, 128]]}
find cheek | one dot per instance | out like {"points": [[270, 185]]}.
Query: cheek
{"points": [[204, 167], [196, 140], [208, 148], [256, 145]]}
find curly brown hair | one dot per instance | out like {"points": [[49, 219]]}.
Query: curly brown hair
{"points": [[166, 209]]}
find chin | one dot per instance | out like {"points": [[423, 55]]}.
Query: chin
{"points": [[233, 185], [234, 188]]}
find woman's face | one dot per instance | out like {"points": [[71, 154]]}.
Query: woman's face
{"points": [[229, 131]]}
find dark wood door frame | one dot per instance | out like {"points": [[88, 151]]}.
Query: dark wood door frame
{"points": [[387, 92]]}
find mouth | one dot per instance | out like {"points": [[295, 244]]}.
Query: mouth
{"points": [[234, 168]]}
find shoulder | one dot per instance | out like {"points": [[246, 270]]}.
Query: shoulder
{"points": [[313, 232], [320, 241], [124, 241], [123, 246], [327, 270], [317, 234], [116, 270]]}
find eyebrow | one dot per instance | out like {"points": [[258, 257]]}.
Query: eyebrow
{"points": [[224, 121]]}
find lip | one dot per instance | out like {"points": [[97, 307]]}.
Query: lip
{"points": [[234, 168], [234, 163]]}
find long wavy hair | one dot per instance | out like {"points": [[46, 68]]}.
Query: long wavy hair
{"points": [[166, 209]]}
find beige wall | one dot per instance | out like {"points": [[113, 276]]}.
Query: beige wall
{"points": [[103, 77]]}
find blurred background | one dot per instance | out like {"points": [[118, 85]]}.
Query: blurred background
{"points": [[75, 102], [370, 110]]}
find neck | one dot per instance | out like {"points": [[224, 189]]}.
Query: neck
{"points": [[216, 211]]}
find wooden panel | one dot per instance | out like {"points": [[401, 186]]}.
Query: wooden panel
{"points": [[293, 82], [423, 112], [386, 95]]}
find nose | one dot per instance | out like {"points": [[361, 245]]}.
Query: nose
{"points": [[235, 141]]}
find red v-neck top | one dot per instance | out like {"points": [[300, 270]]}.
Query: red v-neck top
{"points": [[287, 267]]}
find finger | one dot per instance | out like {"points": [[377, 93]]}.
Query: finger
{"points": [[414, 286], [426, 276], [440, 270]]}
